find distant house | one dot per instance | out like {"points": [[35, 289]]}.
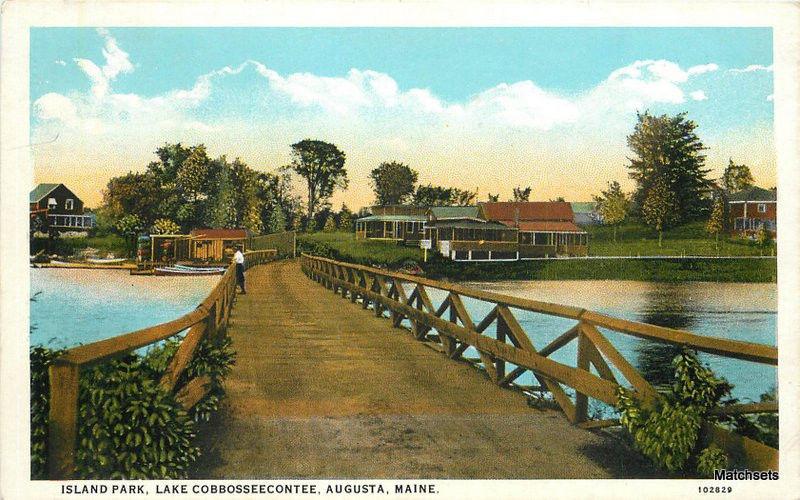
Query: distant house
{"points": [[62, 209], [545, 228], [210, 244], [461, 234], [399, 223], [753, 208], [585, 213]]}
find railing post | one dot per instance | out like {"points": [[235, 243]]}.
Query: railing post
{"points": [[63, 419], [503, 331], [581, 400], [211, 320]]}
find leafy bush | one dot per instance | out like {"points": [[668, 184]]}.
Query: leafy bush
{"points": [[667, 431], [711, 459], [40, 359], [130, 427]]}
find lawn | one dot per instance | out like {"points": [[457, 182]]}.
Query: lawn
{"points": [[344, 246], [690, 239]]}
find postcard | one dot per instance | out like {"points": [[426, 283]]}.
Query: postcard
{"points": [[426, 250]]}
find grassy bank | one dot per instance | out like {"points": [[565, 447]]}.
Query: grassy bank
{"points": [[634, 239], [111, 243], [720, 270], [344, 246]]}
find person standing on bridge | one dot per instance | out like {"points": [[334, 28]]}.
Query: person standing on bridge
{"points": [[238, 257]]}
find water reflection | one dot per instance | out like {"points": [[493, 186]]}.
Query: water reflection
{"points": [[664, 306]]}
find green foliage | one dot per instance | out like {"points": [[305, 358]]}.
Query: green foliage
{"points": [[344, 246], [521, 194], [277, 221], [110, 243], [321, 165], [660, 207], [736, 177], [711, 459], [666, 149], [667, 430], [438, 196], [165, 226], [763, 237], [613, 205], [716, 220], [129, 427], [40, 359], [393, 183]]}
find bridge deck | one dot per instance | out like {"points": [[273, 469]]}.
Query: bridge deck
{"points": [[322, 388]]}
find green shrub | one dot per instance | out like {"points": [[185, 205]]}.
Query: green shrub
{"points": [[129, 427], [40, 359], [711, 459]]}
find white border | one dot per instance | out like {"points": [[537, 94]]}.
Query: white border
{"points": [[16, 178]]}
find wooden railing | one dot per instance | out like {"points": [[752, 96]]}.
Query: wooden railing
{"points": [[389, 291], [208, 319]]}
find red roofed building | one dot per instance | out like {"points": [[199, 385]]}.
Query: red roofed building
{"points": [[545, 228]]}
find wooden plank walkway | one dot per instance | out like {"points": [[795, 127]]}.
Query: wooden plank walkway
{"points": [[324, 389]]}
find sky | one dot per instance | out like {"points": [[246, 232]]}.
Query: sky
{"points": [[483, 109]]}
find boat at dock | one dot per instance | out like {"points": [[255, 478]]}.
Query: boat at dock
{"points": [[181, 270]]}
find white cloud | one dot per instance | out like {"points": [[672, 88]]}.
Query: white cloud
{"points": [[752, 68], [702, 68], [771, 97], [60, 62], [698, 95], [116, 62]]}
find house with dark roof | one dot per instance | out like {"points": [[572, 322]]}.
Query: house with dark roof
{"points": [[461, 234], [399, 223], [753, 208], [60, 207], [544, 228]]}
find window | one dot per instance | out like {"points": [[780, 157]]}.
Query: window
{"points": [[51, 203], [461, 255], [762, 208], [480, 255], [69, 204]]}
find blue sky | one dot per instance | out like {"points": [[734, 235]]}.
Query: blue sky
{"points": [[537, 102]]}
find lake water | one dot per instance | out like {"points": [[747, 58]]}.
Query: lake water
{"points": [[75, 306], [738, 311], [79, 306]]}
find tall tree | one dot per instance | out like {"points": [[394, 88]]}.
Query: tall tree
{"points": [[612, 206], [736, 177], [345, 218], [494, 197], [666, 149], [521, 194], [659, 208], [393, 183], [277, 221], [715, 222], [463, 197], [136, 194], [321, 164], [433, 196]]}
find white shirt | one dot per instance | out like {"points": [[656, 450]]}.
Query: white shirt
{"points": [[238, 257]]}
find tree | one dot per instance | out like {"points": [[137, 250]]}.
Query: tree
{"points": [[433, 196], [330, 225], [129, 227], [559, 199], [136, 194], [736, 177], [659, 208], [715, 222], [322, 166], [612, 206], [277, 221], [494, 197], [393, 183], [165, 226], [522, 194], [463, 197], [666, 149], [346, 218]]}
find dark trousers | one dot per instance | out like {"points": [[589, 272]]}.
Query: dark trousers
{"points": [[240, 275]]}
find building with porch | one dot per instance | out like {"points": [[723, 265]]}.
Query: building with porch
{"points": [[400, 223], [753, 208], [544, 228], [211, 244], [59, 209]]}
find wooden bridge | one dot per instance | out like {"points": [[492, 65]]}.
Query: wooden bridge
{"points": [[326, 387]]}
